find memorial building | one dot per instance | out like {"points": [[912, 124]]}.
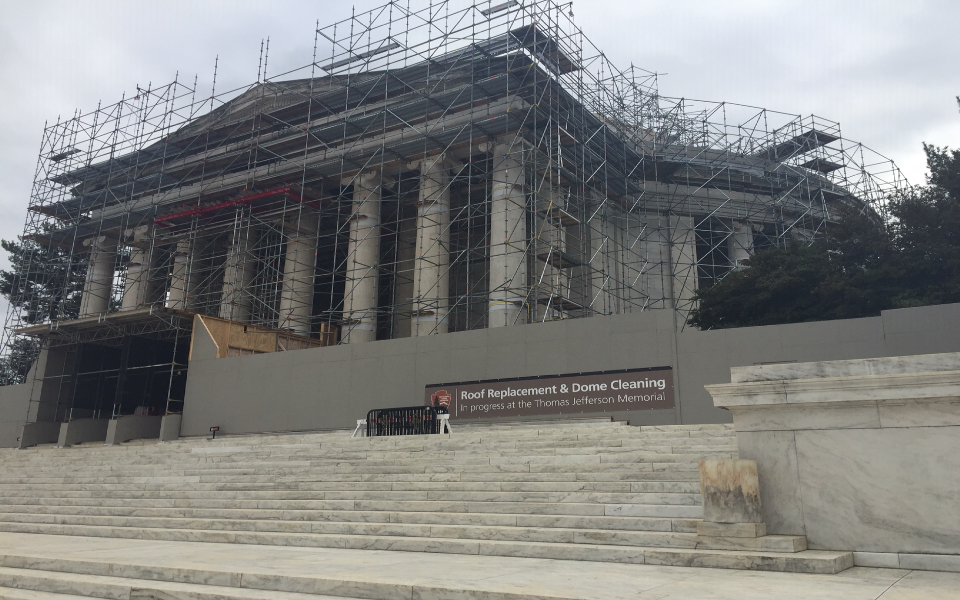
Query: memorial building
{"points": [[466, 224], [424, 202]]}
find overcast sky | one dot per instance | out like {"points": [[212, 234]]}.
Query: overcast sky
{"points": [[888, 71]]}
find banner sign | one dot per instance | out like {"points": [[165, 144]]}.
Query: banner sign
{"points": [[605, 391]]}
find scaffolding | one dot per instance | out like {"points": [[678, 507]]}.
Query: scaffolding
{"points": [[432, 169]]}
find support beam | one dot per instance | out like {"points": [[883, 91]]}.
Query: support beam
{"points": [[363, 261], [431, 279], [99, 281], [296, 295], [603, 277], [549, 279], [508, 235], [238, 273]]}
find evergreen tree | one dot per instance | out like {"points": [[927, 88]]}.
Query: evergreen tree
{"points": [[860, 267], [43, 283]]}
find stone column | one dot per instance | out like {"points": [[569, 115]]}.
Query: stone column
{"points": [[741, 243], [363, 258], [136, 280], [508, 235], [238, 273], [654, 251], [431, 280], [183, 279], [296, 295], [403, 285], [138, 288], [683, 258], [99, 280]]}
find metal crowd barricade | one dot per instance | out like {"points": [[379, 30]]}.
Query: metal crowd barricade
{"points": [[410, 420]]}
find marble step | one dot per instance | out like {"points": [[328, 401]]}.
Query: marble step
{"points": [[469, 432], [87, 456], [26, 490], [253, 472], [649, 473], [409, 467], [461, 434], [95, 451], [380, 460], [802, 562], [210, 458], [207, 462], [545, 508], [255, 444], [555, 535], [291, 482], [256, 474], [635, 474], [230, 461], [678, 525], [689, 499], [622, 490], [38, 584], [122, 463], [10, 593], [511, 439]]}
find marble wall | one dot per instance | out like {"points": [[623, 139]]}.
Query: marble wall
{"points": [[859, 455]]}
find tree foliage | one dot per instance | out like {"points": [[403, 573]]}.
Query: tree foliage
{"points": [[860, 267], [43, 283]]}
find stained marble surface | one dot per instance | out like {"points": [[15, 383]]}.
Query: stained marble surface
{"points": [[380, 572], [731, 493]]}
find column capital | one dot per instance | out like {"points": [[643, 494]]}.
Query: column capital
{"points": [[139, 235], [96, 243], [428, 163], [372, 179]]}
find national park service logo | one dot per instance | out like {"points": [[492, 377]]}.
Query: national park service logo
{"points": [[441, 399]]}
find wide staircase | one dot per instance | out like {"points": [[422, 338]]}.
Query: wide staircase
{"points": [[588, 491]]}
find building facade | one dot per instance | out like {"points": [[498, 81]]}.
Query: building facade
{"points": [[418, 178]]}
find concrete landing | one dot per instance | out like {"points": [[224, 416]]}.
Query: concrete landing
{"points": [[54, 566]]}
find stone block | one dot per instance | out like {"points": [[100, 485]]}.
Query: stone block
{"points": [[133, 427], [737, 530], [731, 491], [877, 560], [82, 430], [891, 365], [930, 562], [39, 433], [768, 543], [170, 427]]}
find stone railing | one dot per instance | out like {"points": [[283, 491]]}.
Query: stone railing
{"points": [[860, 455]]}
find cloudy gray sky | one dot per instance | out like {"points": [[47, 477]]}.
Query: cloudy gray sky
{"points": [[886, 70]]}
